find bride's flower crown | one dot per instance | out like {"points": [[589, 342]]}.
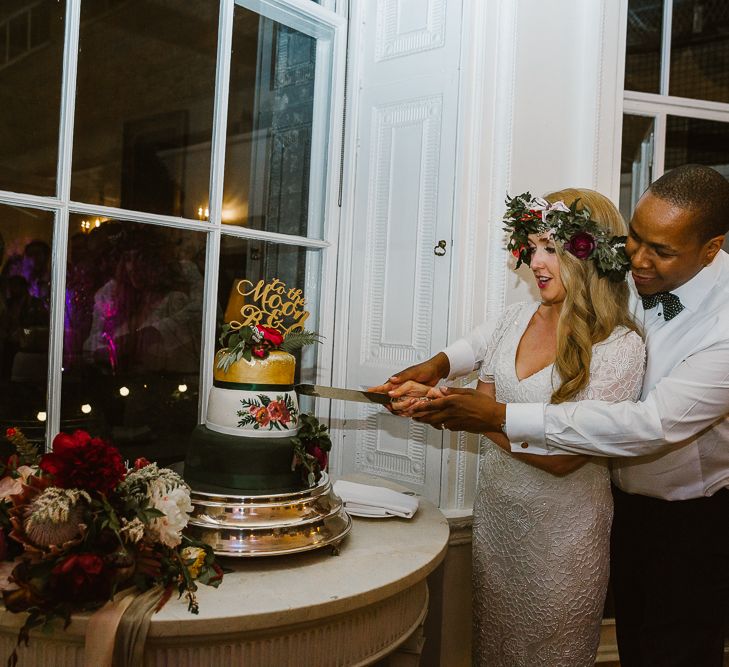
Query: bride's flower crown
{"points": [[575, 230]]}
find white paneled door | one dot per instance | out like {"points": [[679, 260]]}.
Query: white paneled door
{"points": [[402, 220]]}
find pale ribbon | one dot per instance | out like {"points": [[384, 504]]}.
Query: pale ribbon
{"points": [[116, 633], [101, 630]]}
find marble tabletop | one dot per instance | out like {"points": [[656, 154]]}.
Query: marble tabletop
{"points": [[378, 559]]}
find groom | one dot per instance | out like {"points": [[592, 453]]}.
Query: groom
{"points": [[670, 540]]}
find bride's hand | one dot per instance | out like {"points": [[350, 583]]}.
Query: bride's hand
{"points": [[405, 396]]}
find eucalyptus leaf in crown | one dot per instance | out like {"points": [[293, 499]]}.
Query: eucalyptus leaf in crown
{"points": [[574, 229]]}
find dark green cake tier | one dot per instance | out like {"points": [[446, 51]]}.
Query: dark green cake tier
{"points": [[239, 465]]}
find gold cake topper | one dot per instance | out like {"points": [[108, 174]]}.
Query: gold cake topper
{"points": [[271, 305]]}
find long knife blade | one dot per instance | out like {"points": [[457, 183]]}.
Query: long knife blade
{"points": [[321, 391]]}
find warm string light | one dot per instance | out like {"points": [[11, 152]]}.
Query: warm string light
{"points": [[203, 213], [87, 225]]}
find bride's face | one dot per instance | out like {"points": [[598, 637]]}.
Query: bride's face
{"points": [[545, 267]]}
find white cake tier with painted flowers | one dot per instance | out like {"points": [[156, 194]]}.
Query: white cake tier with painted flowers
{"points": [[255, 398]]}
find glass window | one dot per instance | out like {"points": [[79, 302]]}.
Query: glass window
{"points": [[270, 119], [698, 141], [700, 50], [636, 164], [26, 237], [133, 324], [31, 57], [144, 105], [298, 268], [643, 53]]}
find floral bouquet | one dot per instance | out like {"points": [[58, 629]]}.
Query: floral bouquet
{"points": [[78, 525], [255, 340], [311, 449]]}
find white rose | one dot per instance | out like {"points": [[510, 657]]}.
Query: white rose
{"points": [[176, 506]]}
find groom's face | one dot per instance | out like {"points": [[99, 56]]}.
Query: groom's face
{"points": [[665, 247]]}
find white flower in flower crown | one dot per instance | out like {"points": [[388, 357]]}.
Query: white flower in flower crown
{"points": [[176, 506]]}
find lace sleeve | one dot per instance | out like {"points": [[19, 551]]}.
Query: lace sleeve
{"points": [[486, 373], [616, 371]]}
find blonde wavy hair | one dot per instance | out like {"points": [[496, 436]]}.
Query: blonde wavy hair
{"points": [[594, 305]]}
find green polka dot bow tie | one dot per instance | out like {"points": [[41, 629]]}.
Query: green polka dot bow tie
{"points": [[672, 305]]}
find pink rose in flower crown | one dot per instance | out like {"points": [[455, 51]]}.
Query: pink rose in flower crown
{"points": [[581, 245], [80, 461], [270, 335]]}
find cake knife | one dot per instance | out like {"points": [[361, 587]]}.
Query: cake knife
{"points": [[321, 391]]}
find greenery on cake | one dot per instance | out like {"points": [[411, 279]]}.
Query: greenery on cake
{"points": [[255, 340], [311, 449]]}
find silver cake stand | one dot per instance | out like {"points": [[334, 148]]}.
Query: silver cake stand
{"points": [[270, 525]]}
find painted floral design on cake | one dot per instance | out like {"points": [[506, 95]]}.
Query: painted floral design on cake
{"points": [[265, 414]]}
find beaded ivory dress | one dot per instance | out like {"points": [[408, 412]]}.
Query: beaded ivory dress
{"points": [[541, 542]]}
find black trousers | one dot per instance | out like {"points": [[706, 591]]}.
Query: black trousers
{"points": [[670, 578]]}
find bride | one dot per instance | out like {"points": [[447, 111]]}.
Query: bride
{"points": [[541, 525]]}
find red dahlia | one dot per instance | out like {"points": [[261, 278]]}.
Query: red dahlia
{"points": [[82, 462]]}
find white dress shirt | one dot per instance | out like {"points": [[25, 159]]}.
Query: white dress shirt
{"points": [[679, 428]]}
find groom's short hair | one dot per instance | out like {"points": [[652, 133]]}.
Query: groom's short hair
{"points": [[699, 189]]}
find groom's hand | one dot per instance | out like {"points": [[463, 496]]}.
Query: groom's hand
{"points": [[462, 410]]}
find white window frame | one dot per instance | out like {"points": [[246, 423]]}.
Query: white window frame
{"points": [[661, 105], [319, 21]]}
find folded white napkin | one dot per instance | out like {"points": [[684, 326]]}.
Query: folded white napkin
{"points": [[369, 500]]}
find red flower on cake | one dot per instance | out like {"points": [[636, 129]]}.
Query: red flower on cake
{"points": [[80, 461], [279, 412], [259, 351], [319, 454], [272, 336], [262, 416]]}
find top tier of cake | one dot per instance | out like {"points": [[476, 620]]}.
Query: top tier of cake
{"points": [[254, 398]]}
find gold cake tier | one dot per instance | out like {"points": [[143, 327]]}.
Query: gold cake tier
{"points": [[277, 368]]}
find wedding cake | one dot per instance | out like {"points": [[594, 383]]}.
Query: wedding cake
{"points": [[247, 443], [256, 467]]}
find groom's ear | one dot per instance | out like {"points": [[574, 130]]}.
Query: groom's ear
{"points": [[711, 248]]}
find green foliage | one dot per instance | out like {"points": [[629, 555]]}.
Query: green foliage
{"points": [[295, 340]]}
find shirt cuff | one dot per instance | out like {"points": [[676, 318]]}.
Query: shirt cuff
{"points": [[460, 357], [525, 428]]}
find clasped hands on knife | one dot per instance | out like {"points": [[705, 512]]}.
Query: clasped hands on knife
{"points": [[415, 395]]}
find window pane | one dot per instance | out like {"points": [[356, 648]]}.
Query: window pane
{"points": [[133, 325], [643, 53], [697, 141], [25, 286], [270, 114], [251, 260], [144, 105], [31, 54], [700, 50], [636, 163]]}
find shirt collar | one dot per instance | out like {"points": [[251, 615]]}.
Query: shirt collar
{"points": [[694, 291]]}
